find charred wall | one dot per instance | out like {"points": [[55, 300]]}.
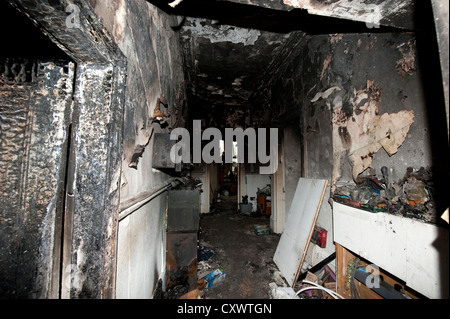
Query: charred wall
{"points": [[61, 227], [146, 37], [364, 101], [333, 79], [125, 60], [35, 102]]}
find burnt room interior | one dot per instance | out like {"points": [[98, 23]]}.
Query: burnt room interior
{"points": [[349, 97]]}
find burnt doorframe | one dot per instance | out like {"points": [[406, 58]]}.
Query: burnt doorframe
{"points": [[86, 264]]}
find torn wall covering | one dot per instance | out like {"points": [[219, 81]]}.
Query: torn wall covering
{"points": [[349, 92], [365, 132], [371, 105]]}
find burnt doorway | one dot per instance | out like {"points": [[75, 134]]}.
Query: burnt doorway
{"points": [[55, 134], [36, 90]]}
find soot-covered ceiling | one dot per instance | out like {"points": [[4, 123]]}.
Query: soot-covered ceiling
{"points": [[231, 46]]}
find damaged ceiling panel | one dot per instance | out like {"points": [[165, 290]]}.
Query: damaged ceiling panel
{"points": [[224, 64], [398, 13], [233, 47], [393, 13]]}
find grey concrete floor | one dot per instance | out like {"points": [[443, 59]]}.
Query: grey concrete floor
{"points": [[230, 243]]}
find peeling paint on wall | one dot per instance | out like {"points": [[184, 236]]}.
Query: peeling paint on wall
{"points": [[365, 132], [407, 64]]}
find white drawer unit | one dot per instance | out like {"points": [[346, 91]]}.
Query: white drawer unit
{"points": [[413, 251]]}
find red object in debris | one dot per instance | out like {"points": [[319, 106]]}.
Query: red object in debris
{"points": [[349, 202], [319, 237]]}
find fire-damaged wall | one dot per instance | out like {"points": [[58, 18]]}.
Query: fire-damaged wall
{"points": [[384, 112], [35, 102], [365, 102], [70, 172], [60, 227], [146, 36]]}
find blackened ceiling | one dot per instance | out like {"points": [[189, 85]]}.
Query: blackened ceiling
{"points": [[231, 46]]}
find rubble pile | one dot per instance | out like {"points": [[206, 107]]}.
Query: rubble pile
{"points": [[410, 196]]}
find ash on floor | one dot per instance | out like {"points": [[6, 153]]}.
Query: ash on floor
{"points": [[227, 240]]}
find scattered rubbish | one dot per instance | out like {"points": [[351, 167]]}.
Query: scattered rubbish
{"points": [[328, 275], [213, 278], [278, 278], [330, 285], [318, 267], [176, 291], [410, 196], [313, 285], [314, 291], [313, 282], [204, 267], [262, 229], [204, 253], [311, 277], [416, 192], [253, 267], [277, 292]]}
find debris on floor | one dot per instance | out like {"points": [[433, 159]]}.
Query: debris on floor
{"points": [[262, 229], [204, 253], [227, 241], [320, 286], [204, 267], [212, 279], [410, 196], [277, 292], [252, 266]]}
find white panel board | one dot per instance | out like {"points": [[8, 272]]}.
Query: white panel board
{"points": [[299, 226], [413, 251], [376, 235], [427, 262]]}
